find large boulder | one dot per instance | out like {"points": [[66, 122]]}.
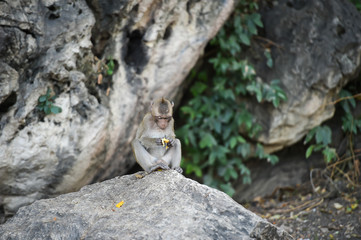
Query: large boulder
{"points": [[68, 47], [316, 48], [162, 205]]}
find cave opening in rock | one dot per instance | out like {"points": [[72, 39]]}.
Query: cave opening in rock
{"points": [[8, 102]]}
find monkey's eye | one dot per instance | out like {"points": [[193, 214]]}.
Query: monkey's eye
{"points": [[165, 118]]}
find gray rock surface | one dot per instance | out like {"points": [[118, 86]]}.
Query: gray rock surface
{"points": [[316, 48], [162, 205], [65, 45]]}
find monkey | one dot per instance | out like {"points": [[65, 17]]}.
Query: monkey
{"points": [[155, 145]]}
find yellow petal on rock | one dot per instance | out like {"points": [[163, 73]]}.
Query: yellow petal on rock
{"points": [[354, 206], [120, 204]]}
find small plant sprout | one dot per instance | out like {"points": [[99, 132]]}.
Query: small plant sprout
{"points": [[46, 103]]}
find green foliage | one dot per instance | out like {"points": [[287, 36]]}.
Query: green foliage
{"points": [[46, 103], [323, 135], [110, 67], [267, 54], [267, 92], [349, 122], [217, 124]]}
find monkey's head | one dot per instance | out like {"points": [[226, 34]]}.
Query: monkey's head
{"points": [[162, 111]]}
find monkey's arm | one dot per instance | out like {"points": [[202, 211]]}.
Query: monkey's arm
{"points": [[148, 162], [148, 141], [173, 156]]}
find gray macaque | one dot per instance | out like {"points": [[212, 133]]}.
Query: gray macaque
{"points": [[155, 146]]}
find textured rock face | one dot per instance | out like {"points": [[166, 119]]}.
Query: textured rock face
{"points": [[65, 46], [316, 50], [162, 205]]}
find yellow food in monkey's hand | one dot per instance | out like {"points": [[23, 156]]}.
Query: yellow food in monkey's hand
{"points": [[164, 143]]}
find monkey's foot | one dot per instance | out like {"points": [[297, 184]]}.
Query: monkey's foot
{"points": [[159, 166], [178, 169]]}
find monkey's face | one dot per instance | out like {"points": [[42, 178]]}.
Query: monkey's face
{"points": [[162, 121]]}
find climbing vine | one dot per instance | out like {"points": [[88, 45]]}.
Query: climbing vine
{"points": [[217, 125]]}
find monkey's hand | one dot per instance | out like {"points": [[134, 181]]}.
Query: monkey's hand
{"points": [[159, 141], [159, 165], [171, 142], [178, 169], [167, 143]]}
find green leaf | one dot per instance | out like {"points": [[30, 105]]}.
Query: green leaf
{"points": [[257, 19], [282, 95], [251, 26], [253, 88], [55, 109], [227, 188], [228, 94], [212, 158], [310, 135], [259, 151], [110, 72], [188, 110], [345, 103], [245, 39], [110, 66], [227, 132], [111, 63], [273, 159], [198, 88], [207, 141], [244, 150], [192, 168], [42, 98], [48, 92], [269, 58], [323, 135], [233, 142], [240, 139], [329, 154], [244, 170], [233, 173], [309, 151], [47, 109], [246, 179]]}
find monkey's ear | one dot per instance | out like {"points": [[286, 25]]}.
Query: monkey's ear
{"points": [[172, 103]]}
